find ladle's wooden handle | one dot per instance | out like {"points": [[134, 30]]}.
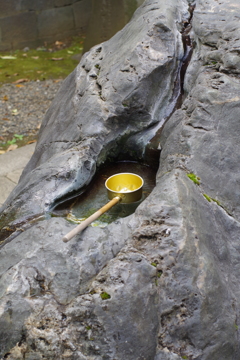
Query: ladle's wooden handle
{"points": [[90, 219]]}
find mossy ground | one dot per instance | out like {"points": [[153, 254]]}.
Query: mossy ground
{"points": [[53, 61], [19, 142]]}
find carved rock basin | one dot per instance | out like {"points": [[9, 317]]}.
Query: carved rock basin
{"points": [[95, 196], [162, 283]]}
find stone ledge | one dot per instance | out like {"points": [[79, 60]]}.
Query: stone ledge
{"points": [[14, 160], [14, 176]]}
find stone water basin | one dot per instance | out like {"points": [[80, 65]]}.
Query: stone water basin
{"points": [[79, 208]]}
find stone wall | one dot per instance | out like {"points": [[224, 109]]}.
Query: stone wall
{"points": [[32, 22], [107, 17]]}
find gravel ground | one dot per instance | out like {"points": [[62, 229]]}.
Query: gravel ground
{"points": [[22, 106]]}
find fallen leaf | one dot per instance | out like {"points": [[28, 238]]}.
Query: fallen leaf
{"points": [[2, 152], [5, 98], [12, 147], [8, 57], [15, 112], [58, 43], [57, 59], [70, 52], [19, 81], [19, 86], [56, 81], [31, 141], [16, 74], [6, 119], [25, 55], [35, 57], [39, 71]]}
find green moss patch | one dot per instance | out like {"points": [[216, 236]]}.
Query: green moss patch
{"points": [[105, 296], [194, 178], [154, 264], [212, 199], [52, 62], [207, 197], [216, 201]]}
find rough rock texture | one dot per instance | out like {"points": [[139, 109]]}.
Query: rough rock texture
{"points": [[120, 89], [162, 284]]}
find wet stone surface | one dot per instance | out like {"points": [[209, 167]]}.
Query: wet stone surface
{"points": [[78, 209]]}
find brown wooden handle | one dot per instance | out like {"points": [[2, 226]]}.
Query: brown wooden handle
{"points": [[90, 219]]}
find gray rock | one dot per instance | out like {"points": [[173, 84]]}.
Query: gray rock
{"points": [[163, 283], [110, 102]]}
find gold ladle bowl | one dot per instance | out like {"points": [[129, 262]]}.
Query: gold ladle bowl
{"points": [[123, 187], [127, 186]]}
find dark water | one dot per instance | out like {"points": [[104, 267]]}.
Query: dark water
{"points": [[95, 196]]}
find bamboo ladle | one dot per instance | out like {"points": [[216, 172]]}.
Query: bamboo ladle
{"points": [[122, 187]]}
